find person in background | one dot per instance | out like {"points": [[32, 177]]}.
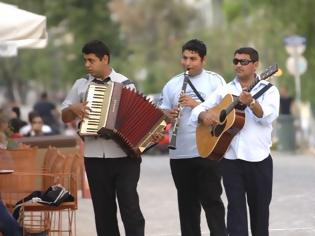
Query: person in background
{"points": [[286, 101], [36, 126], [25, 130], [49, 113], [16, 123], [247, 163], [197, 179], [4, 130], [7, 139], [8, 225]]}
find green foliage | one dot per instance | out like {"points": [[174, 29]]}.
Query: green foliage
{"points": [[265, 23], [70, 24], [154, 32], [146, 36]]}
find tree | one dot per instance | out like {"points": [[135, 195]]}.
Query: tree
{"points": [[70, 25], [266, 22], [154, 31]]}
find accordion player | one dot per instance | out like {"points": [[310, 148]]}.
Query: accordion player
{"points": [[122, 114]]}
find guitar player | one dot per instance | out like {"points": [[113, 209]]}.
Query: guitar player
{"points": [[247, 163]]}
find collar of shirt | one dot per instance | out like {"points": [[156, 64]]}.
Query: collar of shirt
{"points": [[235, 83], [104, 81], [101, 81]]}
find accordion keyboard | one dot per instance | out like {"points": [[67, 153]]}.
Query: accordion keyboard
{"points": [[95, 98]]}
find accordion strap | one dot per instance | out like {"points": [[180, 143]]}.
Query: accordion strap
{"points": [[127, 82]]}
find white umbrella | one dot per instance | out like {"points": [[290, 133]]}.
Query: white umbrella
{"points": [[21, 29]]}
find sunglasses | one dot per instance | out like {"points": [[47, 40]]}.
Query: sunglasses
{"points": [[243, 62]]}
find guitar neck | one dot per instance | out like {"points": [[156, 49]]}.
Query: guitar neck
{"points": [[236, 101], [228, 109]]}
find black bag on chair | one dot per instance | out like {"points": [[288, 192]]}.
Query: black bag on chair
{"points": [[53, 196]]}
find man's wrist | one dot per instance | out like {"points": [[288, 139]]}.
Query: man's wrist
{"points": [[195, 104], [252, 104]]}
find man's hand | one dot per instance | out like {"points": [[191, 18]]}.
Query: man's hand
{"points": [[171, 114], [209, 117], [188, 101], [81, 110], [245, 98], [157, 136], [78, 110]]}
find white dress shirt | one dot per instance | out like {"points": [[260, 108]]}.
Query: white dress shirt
{"points": [[253, 141], [27, 128], [205, 83]]}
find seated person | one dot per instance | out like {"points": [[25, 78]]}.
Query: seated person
{"points": [[4, 130], [26, 130], [16, 123], [8, 225], [36, 127]]}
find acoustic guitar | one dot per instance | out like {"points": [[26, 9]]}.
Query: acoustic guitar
{"points": [[213, 141]]}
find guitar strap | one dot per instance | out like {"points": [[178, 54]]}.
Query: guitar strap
{"points": [[255, 96], [195, 90], [263, 90], [242, 107]]}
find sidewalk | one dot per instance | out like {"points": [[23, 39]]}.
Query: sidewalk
{"points": [[292, 207]]}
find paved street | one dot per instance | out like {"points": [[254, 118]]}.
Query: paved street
{"points": [[292, 208]]}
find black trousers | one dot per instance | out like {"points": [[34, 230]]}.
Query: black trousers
{"points": [[198, 183], [248, 183], [110, 178]]}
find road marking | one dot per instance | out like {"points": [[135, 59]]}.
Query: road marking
{"points": [[309, 229], [294, 229]]}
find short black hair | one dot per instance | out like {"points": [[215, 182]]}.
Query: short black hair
{"points": [[44, 95], [32, 115], [253, 54], [96, 47], [196, 45], [17, 111]]}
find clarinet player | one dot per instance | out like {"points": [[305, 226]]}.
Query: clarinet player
{"points": [[197, 180]]}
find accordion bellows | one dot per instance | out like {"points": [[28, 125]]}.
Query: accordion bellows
{"points": [[122, 114]]}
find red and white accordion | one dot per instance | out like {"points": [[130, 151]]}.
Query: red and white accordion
{"points": [[122, 114]]}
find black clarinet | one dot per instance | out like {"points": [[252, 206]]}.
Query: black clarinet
{"points": [[172, 144]]}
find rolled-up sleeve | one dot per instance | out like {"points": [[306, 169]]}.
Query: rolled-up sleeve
{"points": [[270, 106], [193, 120], [212, 100], [72, 97]]}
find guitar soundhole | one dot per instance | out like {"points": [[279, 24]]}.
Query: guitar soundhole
{"points": [[217, 130]]}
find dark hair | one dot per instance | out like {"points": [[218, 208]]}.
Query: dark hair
{"points": [[253, 54], [44, 95], [32, 115], [16, 124], [96, 47], [17, 111], [196, 45]]}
